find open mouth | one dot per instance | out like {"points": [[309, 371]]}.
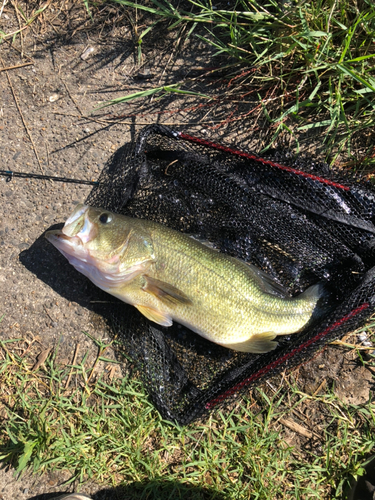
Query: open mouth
{"points": [[79, 225], [73, 224], [67, 245]]}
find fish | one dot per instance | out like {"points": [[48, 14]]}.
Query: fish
{"points": [[171, 276]]}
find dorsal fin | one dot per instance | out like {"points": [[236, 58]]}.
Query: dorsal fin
{"points": [[203, 241], [268, 284]]}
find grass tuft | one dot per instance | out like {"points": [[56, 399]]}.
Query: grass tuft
{"points": [[59, 417], [312, 64], [318, 57]]}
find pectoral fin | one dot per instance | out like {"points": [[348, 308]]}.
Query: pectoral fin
{"points": [[155, 315], [168, 294], [257, 344]]}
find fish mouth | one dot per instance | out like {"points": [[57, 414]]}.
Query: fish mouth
{"points": [[69, 246], [79, 224], [72, 223], [99, 272], [72, 248]]}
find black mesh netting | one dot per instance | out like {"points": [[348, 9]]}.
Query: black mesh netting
{"points": [[295, 219]]}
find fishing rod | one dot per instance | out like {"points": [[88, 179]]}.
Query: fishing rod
{"points": [[9, 174]]}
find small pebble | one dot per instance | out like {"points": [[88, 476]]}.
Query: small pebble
{"points": [[54, 97], [362, 337], [87, 53]]}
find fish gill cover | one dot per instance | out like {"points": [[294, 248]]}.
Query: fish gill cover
{"points": [[295, 219]]}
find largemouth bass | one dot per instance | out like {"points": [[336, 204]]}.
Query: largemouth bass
{"points": [[169, 276]]}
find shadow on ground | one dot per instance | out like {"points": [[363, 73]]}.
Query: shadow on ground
{"points": [[151, 490]]}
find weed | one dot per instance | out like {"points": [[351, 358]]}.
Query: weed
{"points": [[319, 56], [107, 430], [316, 60]]}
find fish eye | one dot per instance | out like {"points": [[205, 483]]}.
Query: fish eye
{"points": [[105, 218]]}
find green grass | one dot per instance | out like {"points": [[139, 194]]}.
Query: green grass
{"points": [[107, 430], [24, 20], [310, 64], [315, 58]]}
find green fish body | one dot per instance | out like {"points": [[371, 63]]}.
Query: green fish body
{"points": [[169, 276]]}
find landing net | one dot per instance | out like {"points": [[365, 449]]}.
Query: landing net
{"points": [[294, 218]]}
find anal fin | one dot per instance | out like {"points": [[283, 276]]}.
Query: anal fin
{"points": [[257, 344], [155, 315]]}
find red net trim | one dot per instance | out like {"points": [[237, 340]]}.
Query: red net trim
{"points": [[210, 144]]}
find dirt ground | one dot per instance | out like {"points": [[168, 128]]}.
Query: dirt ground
{"points": [[43, 130]]}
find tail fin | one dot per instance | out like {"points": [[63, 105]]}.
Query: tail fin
{"points": [[319, 297], [314, 292]]}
